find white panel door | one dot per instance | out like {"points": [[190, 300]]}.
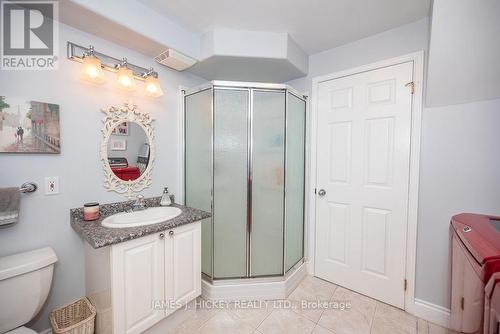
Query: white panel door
{"points": [[183, 264], [137, 280], [363, 151]]}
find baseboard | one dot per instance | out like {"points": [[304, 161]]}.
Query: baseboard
{"points": [[310, 267], [436, 314], [254, 289]]}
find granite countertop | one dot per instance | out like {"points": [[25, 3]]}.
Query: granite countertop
{"points": [[99, 236]]}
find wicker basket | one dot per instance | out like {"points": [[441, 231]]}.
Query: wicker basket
{"points": [[75, 318]]}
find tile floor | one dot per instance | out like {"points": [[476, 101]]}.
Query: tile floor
{"points": [[366, 316]]}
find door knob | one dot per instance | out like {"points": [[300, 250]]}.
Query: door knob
{"points": [[322, 192], [162, 235], [171, 233]]}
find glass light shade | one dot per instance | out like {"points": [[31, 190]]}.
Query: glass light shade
{"points": [[152, 87], [92, 70], [126, 78]]}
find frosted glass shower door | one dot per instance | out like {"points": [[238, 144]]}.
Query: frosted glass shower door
{"points": [[198, 164], [244, 163], [268, 131], [294, 180], [230, 183]]}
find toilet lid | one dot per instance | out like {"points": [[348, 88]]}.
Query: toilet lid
{"points": [[22, 330]]}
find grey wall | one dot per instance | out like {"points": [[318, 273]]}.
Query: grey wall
{"points": [[131, 24], [392, 43], [45, 219], [460, 156], [464, 52], [459, 172]]}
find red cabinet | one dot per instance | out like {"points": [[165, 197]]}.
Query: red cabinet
{"points": [[492, 305], [467, 292], [475, 259]]}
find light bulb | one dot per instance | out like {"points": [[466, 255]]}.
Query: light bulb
{"points": [[152, 87], [126, 78], [92, 70]]}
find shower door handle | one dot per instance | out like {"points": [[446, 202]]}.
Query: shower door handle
{"points": [[322, 192]]}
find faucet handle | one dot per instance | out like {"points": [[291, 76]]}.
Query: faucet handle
{"points": [[139, 201]]}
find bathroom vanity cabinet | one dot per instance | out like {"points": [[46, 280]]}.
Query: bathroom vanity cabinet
{"points": [[137, 283]]}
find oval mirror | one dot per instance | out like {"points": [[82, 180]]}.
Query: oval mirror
{"points": [[128, 151]]}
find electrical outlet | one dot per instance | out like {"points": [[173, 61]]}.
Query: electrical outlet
{"points": [[51, 185]]}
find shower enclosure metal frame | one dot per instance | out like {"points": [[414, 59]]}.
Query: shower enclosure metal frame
{"points": [[250, 87]]}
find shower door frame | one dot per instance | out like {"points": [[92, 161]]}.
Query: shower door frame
{"points": [[250, 87]]}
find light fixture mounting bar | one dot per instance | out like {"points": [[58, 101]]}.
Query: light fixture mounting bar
{"points": [[77, 52]]}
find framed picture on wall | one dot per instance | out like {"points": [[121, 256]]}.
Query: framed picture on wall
{"points": [[29, 126], [118, 145], [121, 129]]}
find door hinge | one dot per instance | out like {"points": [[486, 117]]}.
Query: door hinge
{"points": [[462, 303], [406, 284], [412, 86]]}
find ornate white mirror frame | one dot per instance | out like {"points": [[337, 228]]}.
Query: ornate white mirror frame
{"points": [[113, 117]]}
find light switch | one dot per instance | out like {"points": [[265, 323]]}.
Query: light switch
{"points": [[52, 185]]}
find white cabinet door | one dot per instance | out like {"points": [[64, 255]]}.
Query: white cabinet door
{"points": [[183, 264], [137, 277]]}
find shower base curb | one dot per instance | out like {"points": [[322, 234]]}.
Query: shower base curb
{"points": [[271, 288]]}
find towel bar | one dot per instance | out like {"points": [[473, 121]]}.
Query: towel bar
{"points": [[28, 187]]}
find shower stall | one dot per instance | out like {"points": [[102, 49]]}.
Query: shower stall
{"points": [[245, 163]]}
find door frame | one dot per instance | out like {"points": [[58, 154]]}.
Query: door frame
{"points": [[416, 127], [181, 90]]}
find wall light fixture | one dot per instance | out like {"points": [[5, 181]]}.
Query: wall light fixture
{"points": [[125, 76], [94, 64], [92, 70], [152, 87]]}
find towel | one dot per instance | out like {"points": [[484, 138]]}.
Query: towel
{"points": [[10, 200]]}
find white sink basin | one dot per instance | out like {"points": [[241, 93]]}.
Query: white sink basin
{"points": [[141, 218]]}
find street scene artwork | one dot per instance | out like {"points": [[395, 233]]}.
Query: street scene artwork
{"points": [[29, 126]]}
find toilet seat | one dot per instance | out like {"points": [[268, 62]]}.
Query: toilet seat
{"points": [[22, 330]]}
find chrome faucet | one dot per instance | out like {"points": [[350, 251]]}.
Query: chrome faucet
{"points": [[139, 203]]}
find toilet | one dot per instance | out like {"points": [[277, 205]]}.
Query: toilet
{"points": [[25, 280]]}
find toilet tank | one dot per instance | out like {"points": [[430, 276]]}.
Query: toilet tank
{"points": [[25, 280]]}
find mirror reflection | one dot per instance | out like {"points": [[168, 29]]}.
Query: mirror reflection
{"points": [[128, 151]]}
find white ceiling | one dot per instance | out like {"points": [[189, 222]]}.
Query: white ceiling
{"points": [[316, 25]]}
